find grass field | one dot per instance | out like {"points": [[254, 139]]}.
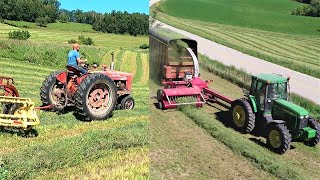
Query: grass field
{"points": [[271, 15], [296, 48], [199, 144], [67, 148], [70, 26], [58, 34]]}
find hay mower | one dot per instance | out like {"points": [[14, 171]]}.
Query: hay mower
{"points": [[16, 112], [94, 95], [266, 107]]}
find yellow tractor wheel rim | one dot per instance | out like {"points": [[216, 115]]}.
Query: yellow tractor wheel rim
{"points": [[239, 116], [275, 138]]}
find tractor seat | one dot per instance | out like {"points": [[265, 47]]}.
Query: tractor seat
{"points": [[73, 71]]}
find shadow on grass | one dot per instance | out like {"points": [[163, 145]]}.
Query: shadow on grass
{"points": [[225, 118], [31, 133]]}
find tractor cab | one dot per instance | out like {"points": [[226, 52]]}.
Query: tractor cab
{"points": [[266, 88]]}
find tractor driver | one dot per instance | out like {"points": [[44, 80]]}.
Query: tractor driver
{"points": [[74, 59]]}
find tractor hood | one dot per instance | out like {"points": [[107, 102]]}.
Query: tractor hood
{"points": [[289, 106]]}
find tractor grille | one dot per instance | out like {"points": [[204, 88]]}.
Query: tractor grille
{"points": [[303, 123]]}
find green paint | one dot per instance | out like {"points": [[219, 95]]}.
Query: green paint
{"points": [[254, 104], [289, 106], [308, 133], [271, 78]]}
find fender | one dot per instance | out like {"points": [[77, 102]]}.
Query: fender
{"points": [[62, 77], [252, 99], [11, 90]]}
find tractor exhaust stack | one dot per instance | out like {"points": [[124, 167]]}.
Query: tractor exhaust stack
{"points": [[112, 62]]}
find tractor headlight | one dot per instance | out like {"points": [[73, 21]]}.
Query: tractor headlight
{"points": [[307, 116]]}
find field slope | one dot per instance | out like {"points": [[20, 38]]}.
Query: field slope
{"points": [[198, 143], [270, 33], [65, 147]]}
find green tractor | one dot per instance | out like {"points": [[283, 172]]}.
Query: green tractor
{"points": [[266, 107]]}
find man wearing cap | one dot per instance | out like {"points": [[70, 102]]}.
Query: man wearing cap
{"points": [[74, 58]]}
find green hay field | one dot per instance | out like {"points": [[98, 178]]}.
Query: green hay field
{"points": [[65, 147], [270, 33]]}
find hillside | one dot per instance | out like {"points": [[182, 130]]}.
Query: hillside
{"points": [[66, 147], [297, 50], [199, 143]]}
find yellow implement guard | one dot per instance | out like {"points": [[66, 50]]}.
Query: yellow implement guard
{"points": [[24, 116]]}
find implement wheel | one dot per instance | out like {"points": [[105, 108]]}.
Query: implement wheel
{"points": [[51, 92], [159, 94], [314, 125], [96, 97], [243, 117], [278, 138]]}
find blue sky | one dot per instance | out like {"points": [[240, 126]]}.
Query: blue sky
{"points": [[141, 6]]}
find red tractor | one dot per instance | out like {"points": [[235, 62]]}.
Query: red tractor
{"points": [[94, 95]]}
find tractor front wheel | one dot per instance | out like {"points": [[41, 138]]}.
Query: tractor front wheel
{"points": [[243, 117], [314, 125], [96, 97], [278, 138], [127, 103]]}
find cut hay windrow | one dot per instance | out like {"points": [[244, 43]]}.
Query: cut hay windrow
{"points": [[128, 63], [145, 67], [258, 43], [140, 70]]}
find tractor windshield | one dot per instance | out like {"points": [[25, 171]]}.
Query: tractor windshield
{"points": [[277, 91]]}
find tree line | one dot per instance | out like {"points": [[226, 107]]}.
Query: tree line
{"points": [[29, 10], [115, 22], [312, 9], [48, 11]]}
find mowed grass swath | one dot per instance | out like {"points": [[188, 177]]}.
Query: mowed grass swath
{"points": [[296, 49], [101, 149]]}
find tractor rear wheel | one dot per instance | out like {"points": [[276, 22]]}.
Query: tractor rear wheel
{"points": [[52, 93], [96, 97], [243, 117], [314, 125], [278, 138]]}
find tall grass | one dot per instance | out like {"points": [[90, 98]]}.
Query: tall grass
{"points": [[243, 79]]}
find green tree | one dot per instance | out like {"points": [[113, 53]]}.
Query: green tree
{"points": [[63, 17], [42, 21]]}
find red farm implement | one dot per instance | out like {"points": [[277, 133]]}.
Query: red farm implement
{"points": [[175, 61]]}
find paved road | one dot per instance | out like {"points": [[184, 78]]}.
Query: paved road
{"points": [[304, 85]]}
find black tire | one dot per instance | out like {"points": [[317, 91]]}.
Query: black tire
{"points": [[159, 105], [127, 103], [47, 89], [278, 138], [159, 95], [87, 86], [314, 125], [247, 122]]}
